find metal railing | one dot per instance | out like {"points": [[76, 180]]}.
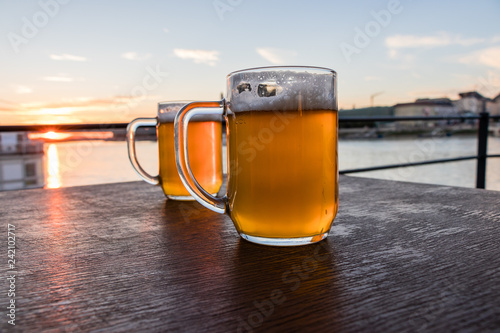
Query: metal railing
{"points": [[482, 139], [482, 143]]}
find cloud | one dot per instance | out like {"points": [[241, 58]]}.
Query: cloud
{"points": [[495, 39], [66, 56], [489, 57], [60, 78], [198, 56], [75, 110], [87, 103], [8, 106], [165, 30], [406, 59], [23, 90], [276, 56], [135, 56], [393, 53], [82, 105], [4, 101], [439, 39]]}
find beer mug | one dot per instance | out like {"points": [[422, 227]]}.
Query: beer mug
{"points": [[282, 153], [205, 146]]}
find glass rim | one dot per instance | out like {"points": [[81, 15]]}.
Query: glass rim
{"points": [[283, 68], [175, 102]]}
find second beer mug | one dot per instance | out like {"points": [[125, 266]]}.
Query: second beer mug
{"points": [[282, 153], [205, 145]]}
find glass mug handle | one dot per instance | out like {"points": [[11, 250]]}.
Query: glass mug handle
{"points": [[131, 129], [181, 152]]}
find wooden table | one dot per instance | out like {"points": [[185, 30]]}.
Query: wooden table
{"points": [[121, 258]]}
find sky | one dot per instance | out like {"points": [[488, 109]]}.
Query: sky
{"points": [[94, 61]]}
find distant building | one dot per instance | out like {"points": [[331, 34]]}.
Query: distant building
{"points": [[21, 162], [470, 102], [493, 105], [425, 107]]}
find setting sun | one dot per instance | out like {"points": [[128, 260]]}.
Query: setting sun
{"points": [[60, 136], [51, 135]]}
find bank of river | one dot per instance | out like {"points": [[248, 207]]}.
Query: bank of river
{"points": [[95, 162]]}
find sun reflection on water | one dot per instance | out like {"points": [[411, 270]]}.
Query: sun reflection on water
{"points": [[53, 176]]}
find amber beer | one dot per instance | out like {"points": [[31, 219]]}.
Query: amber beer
{"points": [[282, 153], [205, 142], [205, 150], [288, 158]]}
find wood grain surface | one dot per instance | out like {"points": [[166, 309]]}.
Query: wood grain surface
{"points": [[121, 258]]}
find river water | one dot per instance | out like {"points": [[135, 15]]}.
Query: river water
{"points": [[96, 162]]}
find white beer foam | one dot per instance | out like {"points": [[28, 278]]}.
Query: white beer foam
{"points": [[168, 110], [285, 90]]}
